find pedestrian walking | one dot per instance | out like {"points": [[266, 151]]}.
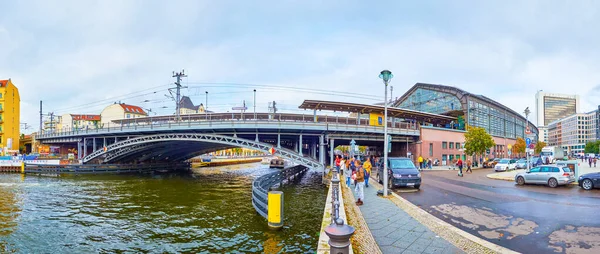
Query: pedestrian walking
{"points": [[469, 166], [367, 167], [459, 163], [430, 162], [590, 161], [345, 171], [420, 160], [337, 163], [595, 159], [360, 184]]}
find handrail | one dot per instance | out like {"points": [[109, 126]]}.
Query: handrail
{"points": [[262, 184]]}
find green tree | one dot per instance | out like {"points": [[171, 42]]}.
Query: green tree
{"points": [[592, 147], [519, 146], [539, 146], [362, 149], [477, 140]]}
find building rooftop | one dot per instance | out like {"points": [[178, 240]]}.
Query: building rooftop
{"points": [[85, 117], [3, 83], [133, 109]]}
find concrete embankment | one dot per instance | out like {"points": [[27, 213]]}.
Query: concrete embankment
{"points": [[224, 162]]}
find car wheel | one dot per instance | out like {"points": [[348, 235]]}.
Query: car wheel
{"points": [[552, 183], [587, 184], [418, 186], [520, 180]]}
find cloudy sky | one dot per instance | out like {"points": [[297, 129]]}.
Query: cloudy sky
{"points": [[79, 56]]}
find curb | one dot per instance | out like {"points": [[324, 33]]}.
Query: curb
{"points": [[439, 226]]}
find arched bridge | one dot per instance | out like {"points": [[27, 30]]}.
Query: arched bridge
{"points": [[183, 146]]}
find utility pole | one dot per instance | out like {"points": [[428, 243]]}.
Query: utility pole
{"points": [[51, 120], [41, 116], [391, 94], [178, 75]]}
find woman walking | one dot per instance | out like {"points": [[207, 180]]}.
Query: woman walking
{"points": [[360, 184], [367, 166], [345, 171]]}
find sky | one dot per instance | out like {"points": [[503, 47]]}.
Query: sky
{"points": [[81, 56]]}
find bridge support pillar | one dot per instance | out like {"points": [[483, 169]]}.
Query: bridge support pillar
{"points": [[313, 146], [331, 155], [94, 145], [300, 145], [315, 115], [79, 150], [322, 150], [256, 138], [104, 143], [278, 140], [84, 147]]}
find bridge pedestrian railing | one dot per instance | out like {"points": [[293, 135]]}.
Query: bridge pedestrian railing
{"points": [[101, 168], [262, 184], [210, 121]]}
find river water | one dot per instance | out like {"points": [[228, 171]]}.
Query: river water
{"points": [[207, 211]]}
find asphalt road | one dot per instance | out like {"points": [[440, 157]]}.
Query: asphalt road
{"points": [[527, 219]]}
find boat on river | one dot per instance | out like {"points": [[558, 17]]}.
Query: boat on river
{"points": [[277, 163]]}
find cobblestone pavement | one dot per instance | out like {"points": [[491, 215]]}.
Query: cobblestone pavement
{"points": [[397, 232]]}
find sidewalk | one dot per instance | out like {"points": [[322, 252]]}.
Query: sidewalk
{"points": [[397, 232]]}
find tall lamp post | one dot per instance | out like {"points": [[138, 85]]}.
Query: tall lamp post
{"points": [[254, 104], [386, 76], [526, 112]]}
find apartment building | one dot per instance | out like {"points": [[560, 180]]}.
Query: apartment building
{"points": [[573, 132]]}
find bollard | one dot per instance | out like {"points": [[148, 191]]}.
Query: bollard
{"points": [[275, 209], [22, 167], [339, 237]]}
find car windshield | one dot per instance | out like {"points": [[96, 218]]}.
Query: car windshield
{"points": [[401, 164], [504, 161]]}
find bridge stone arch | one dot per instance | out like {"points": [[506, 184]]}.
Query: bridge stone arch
{"points": [[137, 144]]}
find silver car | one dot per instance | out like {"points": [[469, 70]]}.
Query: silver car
{"points": [[547, 174]]}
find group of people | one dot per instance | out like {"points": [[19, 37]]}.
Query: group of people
{"points": [[426, 163], [591, 160], [356, 172]]}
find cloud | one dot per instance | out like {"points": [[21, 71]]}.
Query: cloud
{"points": [[87, 51]]}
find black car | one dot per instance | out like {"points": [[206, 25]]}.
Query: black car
{"points": [[401, 172], [589, 181]]}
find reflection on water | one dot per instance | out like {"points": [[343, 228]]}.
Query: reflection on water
{"points": [[207, 211]]}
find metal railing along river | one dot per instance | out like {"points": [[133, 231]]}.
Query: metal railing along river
{"points": [[262, 185]]}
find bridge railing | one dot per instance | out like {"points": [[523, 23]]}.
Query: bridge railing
{"points": [[262, 184], [208, 120]]}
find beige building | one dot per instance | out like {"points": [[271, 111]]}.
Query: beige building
{"points": [[186, 107], [69, 122], [573, 132], [119, 111]]}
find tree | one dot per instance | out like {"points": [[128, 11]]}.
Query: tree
{"points": [[592, 147], [362, 149], [519, 146], [539, 146], [477, 141]]}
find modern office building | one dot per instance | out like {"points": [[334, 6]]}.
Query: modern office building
{"points": [[551, 107], [471, 109], [10, 122], [573, 132]]}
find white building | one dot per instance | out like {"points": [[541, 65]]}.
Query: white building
{"points": [[119, 111], [551, 107], [573, 132], [79, 122]]}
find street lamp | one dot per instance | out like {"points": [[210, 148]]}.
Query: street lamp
{"points": [[254, 104], [386, 76], [526, 112]]}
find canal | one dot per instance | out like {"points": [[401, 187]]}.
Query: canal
{"points": [[206, 211]]}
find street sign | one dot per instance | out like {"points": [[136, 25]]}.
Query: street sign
{"points": [[509, 152], [509, 146], [272, 150], [528, 141], [531, 146]]}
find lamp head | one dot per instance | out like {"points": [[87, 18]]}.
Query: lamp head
{"points": [[386, 75]]}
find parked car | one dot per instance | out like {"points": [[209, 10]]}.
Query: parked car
{"points": [[535, 161], [401, 172], [589, 181], [490, 163], [551, 175], [505, 165], [521, 163]]}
